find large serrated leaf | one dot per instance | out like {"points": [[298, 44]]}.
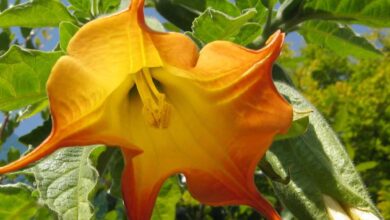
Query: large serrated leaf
{"points": [[339, 38], [318, 165], [23, 76], [37, 13], [17, 202], [214, 25], [368, 12], [65, 180]]}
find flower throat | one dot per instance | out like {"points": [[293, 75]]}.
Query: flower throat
{"points": [[156, 109]]}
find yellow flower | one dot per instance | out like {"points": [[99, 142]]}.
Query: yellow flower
{"points": [[210, 115]]}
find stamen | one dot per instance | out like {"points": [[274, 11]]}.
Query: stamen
{"points": [[156, 109]]}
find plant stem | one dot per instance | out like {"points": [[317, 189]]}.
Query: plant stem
{"points": [[4, 125]]}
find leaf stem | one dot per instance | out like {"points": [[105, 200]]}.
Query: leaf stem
{"points": [[95, 8]]}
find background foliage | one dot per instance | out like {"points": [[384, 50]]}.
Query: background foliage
{"points": [[343, 74]]}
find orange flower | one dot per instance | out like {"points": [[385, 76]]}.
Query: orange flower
{"points": [[210, 115]]}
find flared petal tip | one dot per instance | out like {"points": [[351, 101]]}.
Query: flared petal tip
{"points": [[274, 43], [46, 148], [277, 36], [265, 208]]}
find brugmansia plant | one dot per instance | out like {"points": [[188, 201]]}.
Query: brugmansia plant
{"points": [[173, 118]]}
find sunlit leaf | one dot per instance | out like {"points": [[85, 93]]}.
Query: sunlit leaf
{"points": [[37, 13], [339, 38], [81, 7], [33, 109], [224, 6], [361, 167], [21, 195], [248, 33], [369, 12], [23, 76], [214, 25], [107, 6], [169, 195]]}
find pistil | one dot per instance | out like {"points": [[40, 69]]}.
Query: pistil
{"points": [[156, 110]]}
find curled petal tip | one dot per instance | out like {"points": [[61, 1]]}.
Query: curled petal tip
{"points": [[46, 148], [275, 41], [278, 36]]}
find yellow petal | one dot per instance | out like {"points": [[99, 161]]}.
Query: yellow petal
{"points": [[115, 45], [219, 129], [210, 115]]}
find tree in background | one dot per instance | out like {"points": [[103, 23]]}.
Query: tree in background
{"points": [[354, 97]]}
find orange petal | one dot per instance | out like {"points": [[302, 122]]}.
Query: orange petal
{"points": [[140, 187], [224, 109]]}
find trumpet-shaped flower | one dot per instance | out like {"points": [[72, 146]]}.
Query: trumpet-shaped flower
{"points": [[210, 115]]}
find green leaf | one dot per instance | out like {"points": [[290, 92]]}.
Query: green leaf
{"points": [[199, 5], [37, 135], [299, 125], [180, 12], [289, 9], [224, 6], [214, 25], [318, 165], [83, 7], [37, 13], [64, 181], [245, 4], [67, 30], [369, 12], [339, 38], [108, 6], [5, 41], [23, 76], [13, 154], [248, 33], [261, 10], [33, 109], [362, 167], [112, 162], [154, 24], [3, 4], [17, 202], [169, 196], [269, 3]]}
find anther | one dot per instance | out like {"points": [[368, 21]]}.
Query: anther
{"points": [[156, 110]]}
